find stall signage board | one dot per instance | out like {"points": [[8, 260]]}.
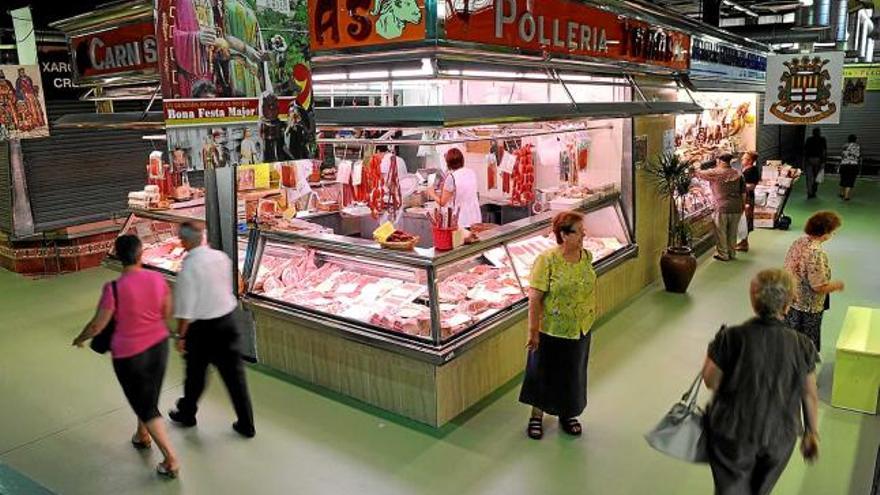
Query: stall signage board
{"points": [[569, 28], [869, 72], [182, 113], [723, 61], [339, 24], [124, 50], [804, 89]]}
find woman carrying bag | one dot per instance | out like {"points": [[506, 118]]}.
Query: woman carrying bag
{"points": [[135, 307], [562, 310], [764, 378]]}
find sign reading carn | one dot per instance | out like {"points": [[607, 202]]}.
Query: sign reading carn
{"points": [[124, 50], [568, 28]]}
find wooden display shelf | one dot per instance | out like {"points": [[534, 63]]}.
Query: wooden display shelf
{"points": [[406, 385]]}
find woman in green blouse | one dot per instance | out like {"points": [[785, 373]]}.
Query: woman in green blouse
{"points": [[562, 310]]}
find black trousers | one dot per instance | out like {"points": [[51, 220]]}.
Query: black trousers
{"points": [[141, 378], [740, 468], [215, 342]]}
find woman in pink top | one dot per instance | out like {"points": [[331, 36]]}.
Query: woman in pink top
{"points": [[140, 306]]}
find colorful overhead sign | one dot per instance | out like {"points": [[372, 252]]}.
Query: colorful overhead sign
{"points": [[339, 24], [568, 28], [869, 72], [125, 50]]}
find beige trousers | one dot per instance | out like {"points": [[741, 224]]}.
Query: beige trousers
{"points": [[726, 225]]}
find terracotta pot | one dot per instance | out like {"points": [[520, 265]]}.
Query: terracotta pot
{"points": [[677, 265]]}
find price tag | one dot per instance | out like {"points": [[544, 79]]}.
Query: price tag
{"points": [[289, 214], [383, 232]]}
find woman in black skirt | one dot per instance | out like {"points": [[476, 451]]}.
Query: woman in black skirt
{"points": [[562, 310], [139, 302], [850, 159]]}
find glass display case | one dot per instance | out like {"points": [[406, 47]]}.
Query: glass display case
{"points": [[426, 300], [158, 230]]}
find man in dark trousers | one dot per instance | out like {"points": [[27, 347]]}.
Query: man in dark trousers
{"points": [[815, 155], [204, 307]]}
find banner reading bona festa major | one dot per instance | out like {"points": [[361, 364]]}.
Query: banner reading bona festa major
{"points": [[239, 63]]}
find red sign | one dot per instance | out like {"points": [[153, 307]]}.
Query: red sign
{"points": [[567, 27], [349, 23], [127, 49]]}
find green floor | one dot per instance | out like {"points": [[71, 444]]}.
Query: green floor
{"points": [[65, 425]]}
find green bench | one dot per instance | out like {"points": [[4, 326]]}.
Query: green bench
{"points": [[857, 368]]}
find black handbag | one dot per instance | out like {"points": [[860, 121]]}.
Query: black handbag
{"points": [[101, 343]]}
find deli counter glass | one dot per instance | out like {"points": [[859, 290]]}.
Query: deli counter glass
{"points": [[426, 301]]}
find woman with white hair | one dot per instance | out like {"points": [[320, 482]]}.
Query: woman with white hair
{"points": [[764, 376]]}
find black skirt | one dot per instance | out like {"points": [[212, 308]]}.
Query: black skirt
{"points": [[848, 174], [556, 376], [141, 378]]}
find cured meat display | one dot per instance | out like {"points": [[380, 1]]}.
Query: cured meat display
{"points": [[470, 296], [335, 289], [523, 192], [525, 252], [466, 297]]}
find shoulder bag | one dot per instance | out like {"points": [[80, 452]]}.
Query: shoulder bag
{"points": [[680, 433], [101, 343]]}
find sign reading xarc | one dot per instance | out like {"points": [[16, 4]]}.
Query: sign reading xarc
{"points": [[124, 50], [569, 28]]}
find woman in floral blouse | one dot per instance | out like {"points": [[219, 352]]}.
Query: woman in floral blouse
{"points": [[808, 263], [850, 159], [562, 310]]}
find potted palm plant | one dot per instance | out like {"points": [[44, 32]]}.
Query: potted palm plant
{"points": [[671, 176]]}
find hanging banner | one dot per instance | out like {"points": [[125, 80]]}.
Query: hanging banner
{"points": [[125, 50], [804, 89], [718, 60], [237, 62], [869, 72], [339, 24], [566, 27], [22, 107]]}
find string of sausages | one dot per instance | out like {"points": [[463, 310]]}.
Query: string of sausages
{"points": [[374, 184], [395, 199], [523, 177]]}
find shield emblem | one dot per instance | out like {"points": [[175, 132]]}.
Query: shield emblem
{"points": [[804, 91]]}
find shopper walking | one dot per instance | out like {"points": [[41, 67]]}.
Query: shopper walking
{"points": [[815, 156], [140, 302], [808, 263], [729, 193], [207, 331], [850, 161], [764, 377], [562, 310], [752, 177]]}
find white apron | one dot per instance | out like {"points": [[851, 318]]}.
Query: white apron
{"points": [[465, 198]]}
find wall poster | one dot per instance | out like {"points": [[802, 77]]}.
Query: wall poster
{"points": [[233, 72], [22, 106], [728, 124], [804, 89]]}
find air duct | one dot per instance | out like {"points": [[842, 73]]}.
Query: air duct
{"points": [[815, 17], [770, 33]]}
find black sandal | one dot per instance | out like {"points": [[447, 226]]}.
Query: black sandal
{"points": [[535, 429], [571, 426]]}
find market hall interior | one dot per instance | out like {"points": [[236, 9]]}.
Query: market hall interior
{"points": [[64, 424]]}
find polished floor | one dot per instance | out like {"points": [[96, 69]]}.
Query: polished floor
{"points": [[64, 423]]}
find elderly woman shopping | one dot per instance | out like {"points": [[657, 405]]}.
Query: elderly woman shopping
{"points": [[562, 309], [763, 375], [808, 263]]}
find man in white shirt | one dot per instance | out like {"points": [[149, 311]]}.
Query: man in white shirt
{"points": [[204, 307]]}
